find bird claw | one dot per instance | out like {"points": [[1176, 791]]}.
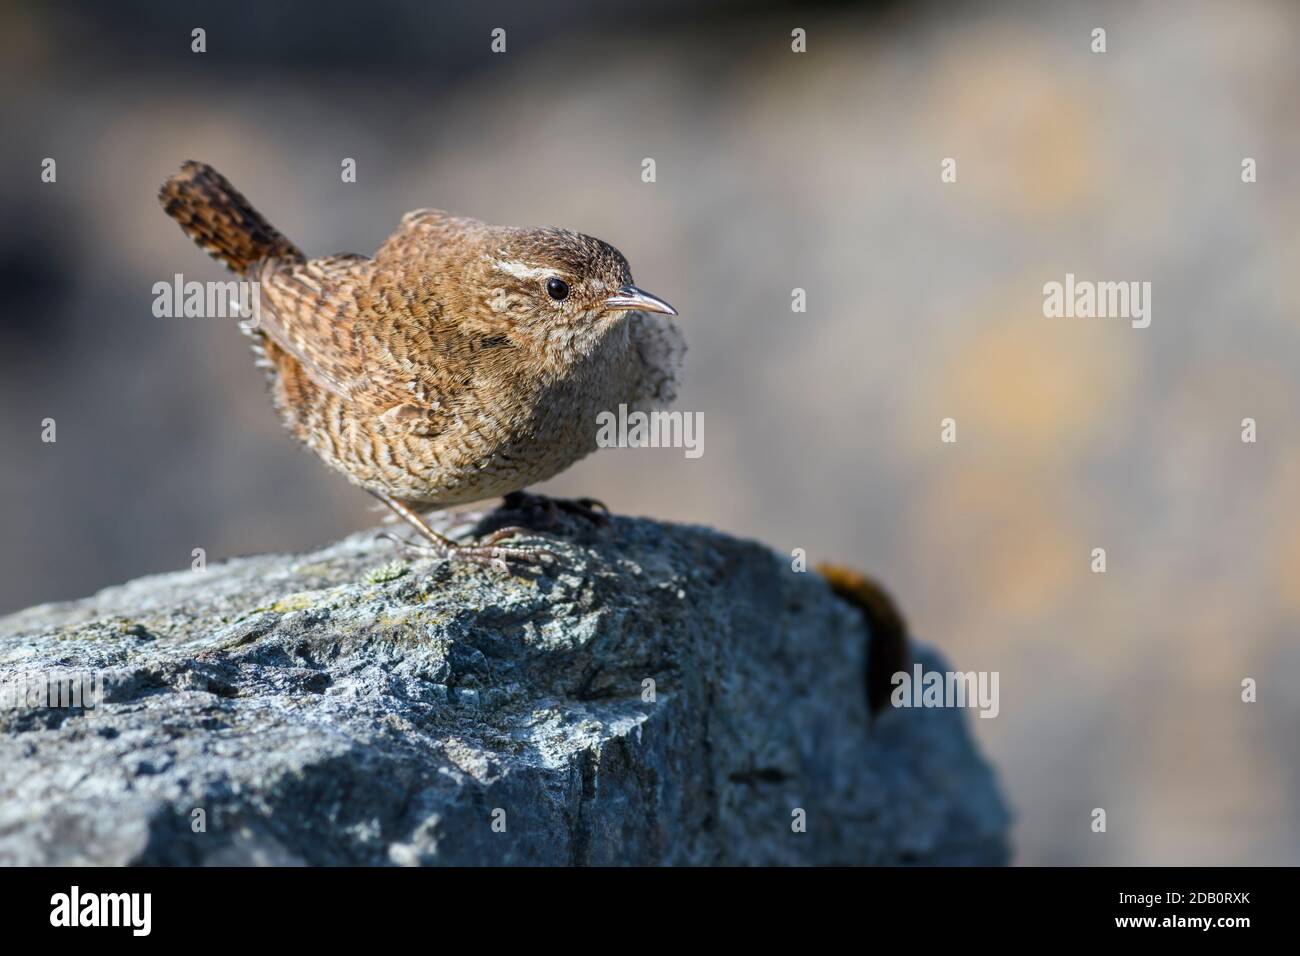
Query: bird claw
{"points": [[485, 552]]}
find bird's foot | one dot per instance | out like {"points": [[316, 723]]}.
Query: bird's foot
{"points": [[549, 509], [485, 551]]}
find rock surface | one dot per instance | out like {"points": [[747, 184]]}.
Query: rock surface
{"points": [[344, 707]]}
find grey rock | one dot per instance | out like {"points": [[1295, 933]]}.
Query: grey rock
{"points": [[343, 707]]}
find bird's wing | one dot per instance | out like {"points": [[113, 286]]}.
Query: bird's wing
{"points": [[311, 310], [373, 340], [404, 345]]}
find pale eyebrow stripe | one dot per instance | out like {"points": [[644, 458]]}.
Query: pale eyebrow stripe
{"points": [[521, 270]]}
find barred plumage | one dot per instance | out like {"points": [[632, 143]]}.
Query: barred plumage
{"points": [[444, 370]]}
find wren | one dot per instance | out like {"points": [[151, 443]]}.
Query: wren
{"points": [[461, 362]]}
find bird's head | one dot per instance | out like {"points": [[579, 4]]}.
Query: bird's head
{"points": [[555, 279]]}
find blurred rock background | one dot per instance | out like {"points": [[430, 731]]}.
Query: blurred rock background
{"points": [[774, 171]]}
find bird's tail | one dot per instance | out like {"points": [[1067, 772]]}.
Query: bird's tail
{"points": [[887, 651], [217, 216]]}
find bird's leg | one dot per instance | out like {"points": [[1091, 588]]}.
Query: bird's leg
{"points": [[484, 551], [589, 509]]}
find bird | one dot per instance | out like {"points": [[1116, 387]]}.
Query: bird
{"points": [[461, 362]]}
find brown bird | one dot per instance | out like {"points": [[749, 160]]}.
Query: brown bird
{"points": [[461, 362]]}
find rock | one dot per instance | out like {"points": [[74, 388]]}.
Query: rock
{"points": [[667, 695]]}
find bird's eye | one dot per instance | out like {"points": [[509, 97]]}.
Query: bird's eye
{"points": [[557, 289]]}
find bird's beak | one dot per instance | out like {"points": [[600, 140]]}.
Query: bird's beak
{"points": [[631, 298]]}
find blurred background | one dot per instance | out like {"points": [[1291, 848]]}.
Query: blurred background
{"points": [[775, 170]]}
